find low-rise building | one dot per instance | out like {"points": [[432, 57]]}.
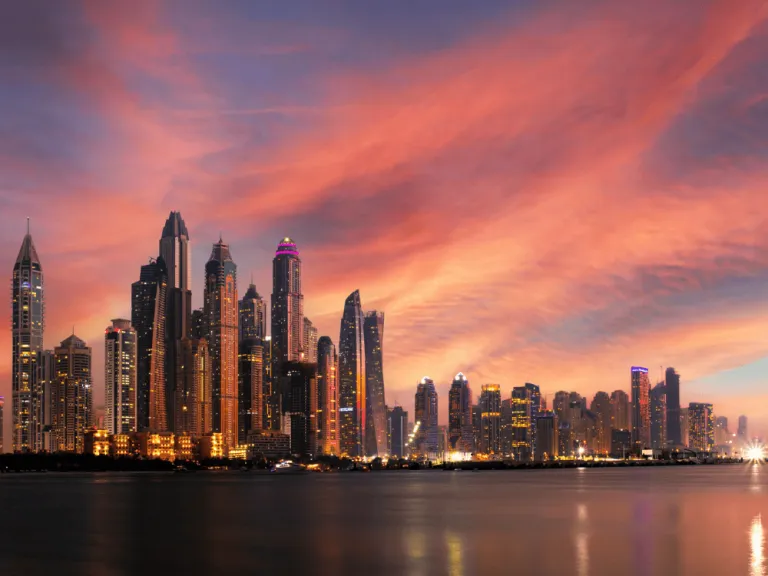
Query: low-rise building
{"points": [[96, 442]]}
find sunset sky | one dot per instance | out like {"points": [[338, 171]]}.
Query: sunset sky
{"points": [[533, 191]]}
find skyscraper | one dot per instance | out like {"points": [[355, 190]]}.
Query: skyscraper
{"points": [[2, 405], [546, 436], [310, 341], [742, 433], [601, 407], [701, 421], [619, 410], [397, 431], [460, 435], [175, 252], [327, 396], [522, 424], [49, 378], [196, 403], [376, 417], [72, 396], [251, 370], [658, 400], [298, 382], [672, 382], [490, 419], [120, 377], [685, 427], [27, 324], [352, 378], [534, 393], [641, 408], [425, 407], [221, 315], [561, 405], [722, 434], [287, 304], [148, 303], [253, 315]]}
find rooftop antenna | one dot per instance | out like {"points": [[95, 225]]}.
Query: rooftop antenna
{"points": [[27, 225]]}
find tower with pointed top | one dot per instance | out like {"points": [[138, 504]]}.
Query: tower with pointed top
{"points": [[287, 304], [352, 379], [27, 324], [221, 317]]}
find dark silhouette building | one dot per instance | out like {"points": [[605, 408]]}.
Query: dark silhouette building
{"points": [[251, 359], [397, 431], [426, 433], [376, 417], [352, 379], [672, 384], [298, 384], [659, 420], [460, 434]]}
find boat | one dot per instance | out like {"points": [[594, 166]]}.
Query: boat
{"points": [[288, 467]]}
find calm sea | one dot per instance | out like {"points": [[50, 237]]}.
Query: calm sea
{"points": [[694, 520]]}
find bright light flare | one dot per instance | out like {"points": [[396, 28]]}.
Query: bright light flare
{"points": [[755, 453]]}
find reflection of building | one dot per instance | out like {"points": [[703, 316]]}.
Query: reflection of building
{"points": [[460, 437], [397, 431], [490, 419], [120, 377], [352, 378], [701, 426], [619, 410], [546, 436], [72, 396], [426, 440], [376, 417], [327, 397], [621, 443], [641, 408], [27, 323], [658, 400], [672, 383]]}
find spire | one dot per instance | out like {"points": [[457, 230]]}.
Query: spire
{"points": [[27, 252], [220, 252]]}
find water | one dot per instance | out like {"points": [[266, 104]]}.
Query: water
{"points": [[697, 520]]}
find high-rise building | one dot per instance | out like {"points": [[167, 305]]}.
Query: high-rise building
{"points": [[684, 427], [309, 336], [221, 314], [621, 443], [722, 434], [72, 396], [522, 424], [196, 400], [2, 405], [460, 435], [120, 377], [658, 400], [672, 383], [176, 253], [376, 417], [546, 436], [426, 435], [641, 408], [352, 378], [477, 427], [601, 408], [287, 304], [49, 378], [536, 407], [490, 414], [270, 397], [250, 387], [742, 433], [148, 303], [327, 396], [27, 324], [397, 431], [701, 426], [198, 328], [620, 410], [298, 383], [507, 431], [253, 315], [562, 406]]}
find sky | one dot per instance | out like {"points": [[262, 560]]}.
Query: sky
{"points": [[532, 191]]}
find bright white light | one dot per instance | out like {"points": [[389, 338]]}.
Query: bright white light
{"points": [[581, 450], [755, 453]]}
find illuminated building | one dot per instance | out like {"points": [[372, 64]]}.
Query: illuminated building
{"points": [[148, 303], [157, 445], [601, 408], [27, 324], [684, 427], [658, 399], [376, 417], [477, 427], [701, 427], [546, 436], [121, 445], [239, 453], [674, 435], [425, 438], [175, 251], [562, 406], [352, 379], [298, 384], [327, 397], [2, 405], [120, 377], [287, 305], [221, 316], [507, 431], [641, 408], [71, 396], [185, 447], [566, 439], [198, 328], [621, 443], [268, 444], [96, 442], [309, 339], [490, 423], [195, 396], [619, 410], [522, 424], [212, 446], [722, 434], [397, 431], [270, 418], [460, 435], [251, 359], [535, 397]]}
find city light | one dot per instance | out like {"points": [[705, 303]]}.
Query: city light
{"points": [[755, 453]]}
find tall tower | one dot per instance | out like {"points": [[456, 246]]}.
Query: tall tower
{"points": [[2, 405], [175, 252], [672, 382], [196, 398], [221, 312], [251, 364], [601, 407], [352, 378], [619, 410], [309, 339], [376, 418], [641, 408], [72, 395], [120, 377], [490, 419], [460, 434], [27, 323], [253, 315], [658, 407], [701, 422], [148, 302], [287, 304], [425, 427], [327, 396]]}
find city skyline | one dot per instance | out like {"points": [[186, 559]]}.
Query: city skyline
{"points": [[636, 239]]}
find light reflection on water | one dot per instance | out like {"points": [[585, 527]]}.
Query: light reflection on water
{"points": [[756, 544]]}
